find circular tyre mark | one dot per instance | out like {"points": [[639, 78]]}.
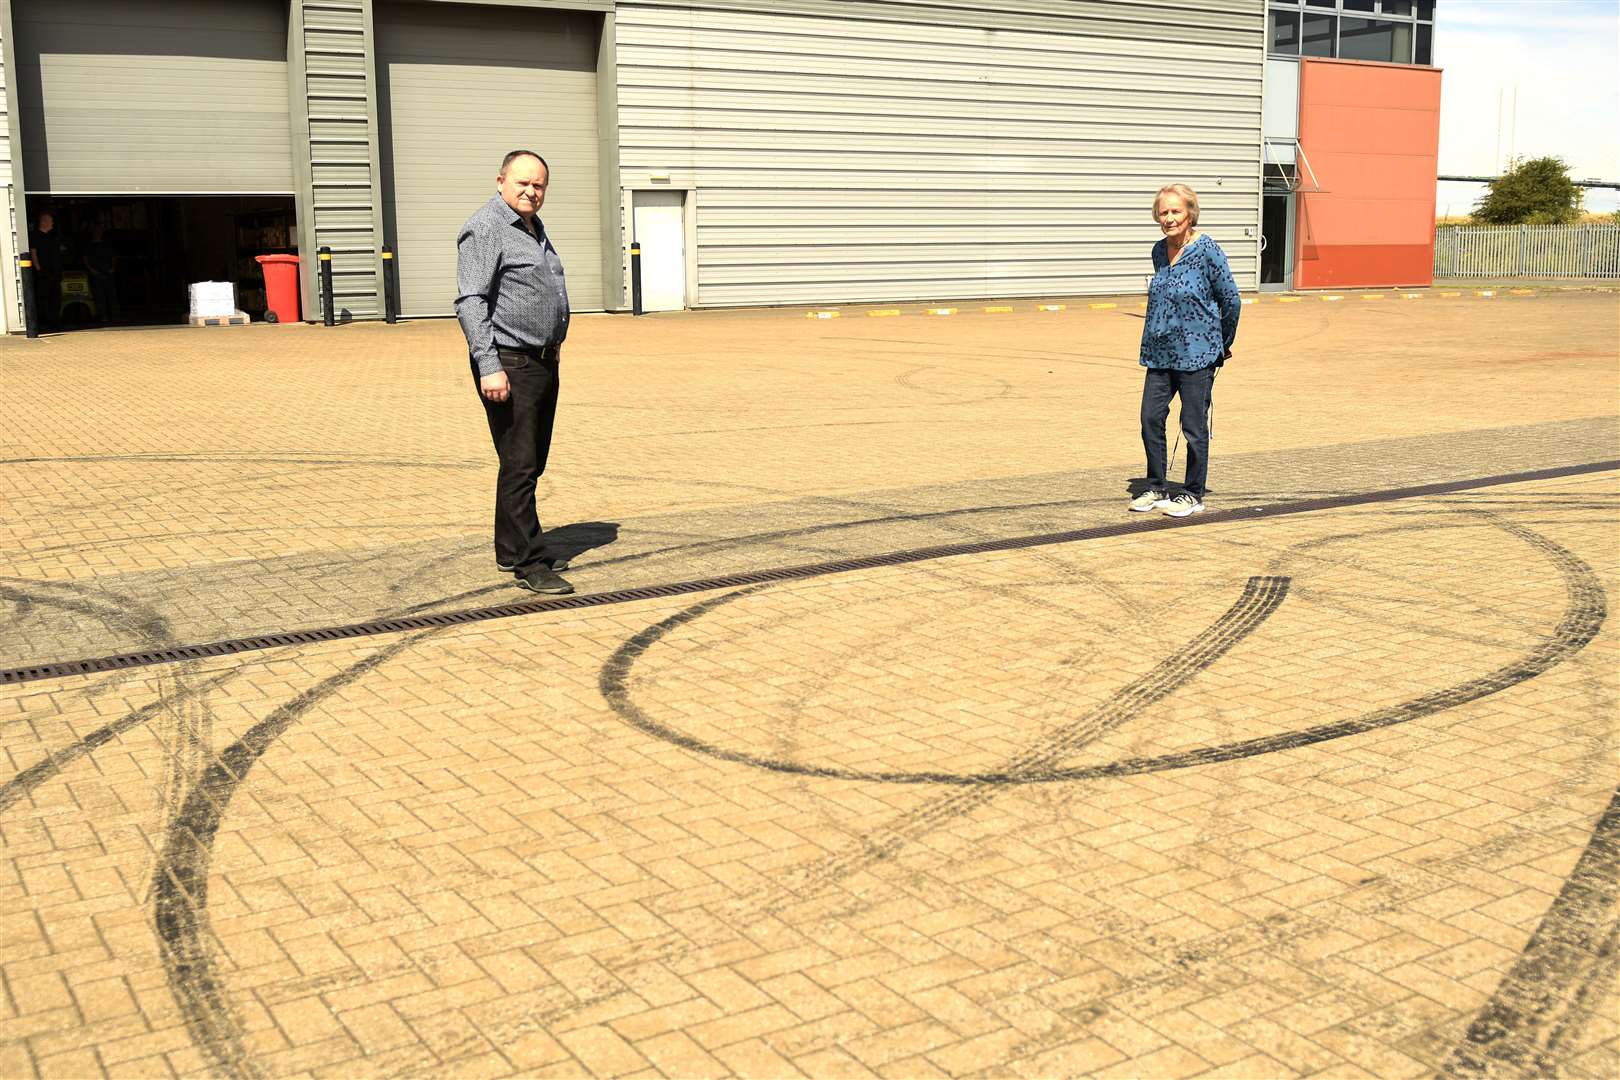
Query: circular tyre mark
{"points": [[1261, 596], [1583, 616]]}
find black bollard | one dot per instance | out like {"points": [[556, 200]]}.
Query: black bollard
{"points": [[390, 286], [635, 278], [30, 314], [327, 314]]}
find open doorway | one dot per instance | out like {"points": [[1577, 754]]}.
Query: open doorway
{"points": [[1277, 241], [128, 260]]}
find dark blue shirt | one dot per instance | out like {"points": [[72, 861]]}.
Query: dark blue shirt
{"points": [[1193, 308]]}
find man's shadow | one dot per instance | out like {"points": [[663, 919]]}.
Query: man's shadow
{"points": [[571, 541]]}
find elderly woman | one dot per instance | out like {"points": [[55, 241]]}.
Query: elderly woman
{"points": [[1192, 318]]}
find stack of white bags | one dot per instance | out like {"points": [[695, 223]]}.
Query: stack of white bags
{"points": [[213, 299]]}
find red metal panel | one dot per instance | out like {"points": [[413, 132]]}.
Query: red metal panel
{"points": [[1372, 135]]}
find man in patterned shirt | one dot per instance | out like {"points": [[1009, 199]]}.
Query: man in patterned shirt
{"points": [[512, 302]]}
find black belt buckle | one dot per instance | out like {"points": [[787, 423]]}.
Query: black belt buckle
{"points": [[549, 352]]}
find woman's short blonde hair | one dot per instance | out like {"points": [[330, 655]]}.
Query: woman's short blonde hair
{"points": [[1186, 194]]}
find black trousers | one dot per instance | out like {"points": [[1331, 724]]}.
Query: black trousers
{"points": [[1195, 388], [521, 429], [48, 300], [104, 291]]}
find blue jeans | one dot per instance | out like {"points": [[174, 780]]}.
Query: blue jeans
{"points": [[1195, 388]]}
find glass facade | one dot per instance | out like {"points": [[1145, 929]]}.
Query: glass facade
{"points": [[1392, 31], [1374, 39], [1317, 39]]}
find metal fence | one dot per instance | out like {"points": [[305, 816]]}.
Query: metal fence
{"points": [[1551, 251]]}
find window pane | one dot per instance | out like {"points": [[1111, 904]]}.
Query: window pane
{"points": [[1321, 3], [1317, 40], [1285, 32], [1397, 7], [1369, 39], [1358, 5], [1425, 47], [1425, 9]]}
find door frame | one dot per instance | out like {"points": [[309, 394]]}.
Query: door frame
{"points": [[1290, 209], [688, 232]]}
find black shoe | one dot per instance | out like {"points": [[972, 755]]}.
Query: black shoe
{"points": [[546, 581], [554, 562]]}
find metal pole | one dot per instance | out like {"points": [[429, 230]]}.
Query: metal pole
{"points": [[390, 286], [326, 285], [635, 278], [30, 315]]}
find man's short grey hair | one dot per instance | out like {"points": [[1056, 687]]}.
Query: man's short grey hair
{"points": [[1185, 193], [513, 155]]}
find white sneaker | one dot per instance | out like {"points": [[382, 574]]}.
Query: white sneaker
{"points": [[1183, 505], [1148, 500]]}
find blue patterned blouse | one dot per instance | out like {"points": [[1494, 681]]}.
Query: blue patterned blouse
{"points": [[1193, 308]]}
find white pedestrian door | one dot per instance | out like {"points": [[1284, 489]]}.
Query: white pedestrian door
{"points": [[662, 234]]}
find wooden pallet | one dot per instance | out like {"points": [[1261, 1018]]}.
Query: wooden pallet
{"points": [[238, 319]]}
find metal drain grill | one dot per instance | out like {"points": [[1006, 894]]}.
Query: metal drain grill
{"points": [[1144, 524]]}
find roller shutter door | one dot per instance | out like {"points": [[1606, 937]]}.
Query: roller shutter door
{"points": [[153, 96], [460, 86]]}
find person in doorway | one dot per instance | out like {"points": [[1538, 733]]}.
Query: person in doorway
{"points": [[512, 302], [101, 260], [1192, 320], [45, 249]]}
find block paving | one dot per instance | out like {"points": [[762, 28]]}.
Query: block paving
{"points": [[1319, 794]]}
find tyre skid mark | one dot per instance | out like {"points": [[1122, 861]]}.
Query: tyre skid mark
{"points": [[1544, 999], [1582, 619], [146, 625], [180, 879], [836, 566], [1260, 598], [1541, 999], [180, 882]]}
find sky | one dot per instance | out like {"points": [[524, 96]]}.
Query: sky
{"points": [[1563, 59]]}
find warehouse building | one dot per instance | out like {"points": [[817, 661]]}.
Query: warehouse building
{"points": [[759, 151]]}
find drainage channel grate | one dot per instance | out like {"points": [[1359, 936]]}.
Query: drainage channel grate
{"points": [[402, 624]]}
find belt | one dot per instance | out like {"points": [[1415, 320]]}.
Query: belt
{"points": [[548, 352]]}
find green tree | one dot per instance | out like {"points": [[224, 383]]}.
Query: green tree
{"points": [[1537, 191]]}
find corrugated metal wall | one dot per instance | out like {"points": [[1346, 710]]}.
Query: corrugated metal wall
{"points": [[858, 149], [866, 150], [343, 210], [9, 175]]}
